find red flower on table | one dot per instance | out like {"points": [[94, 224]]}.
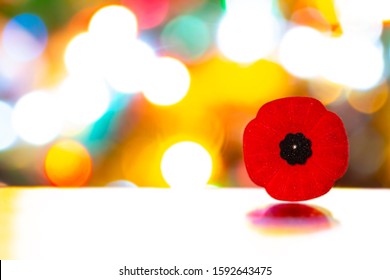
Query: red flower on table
{"points": [[295, 148]]}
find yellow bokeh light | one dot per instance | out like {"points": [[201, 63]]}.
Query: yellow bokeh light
{"points": [[169, 81], [369, 102], [68, 163], [233, 84], [325, 91], [139, 161], [327, 9], [186, 165], [140, 158]]}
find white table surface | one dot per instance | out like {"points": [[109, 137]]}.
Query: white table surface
{"points": [[203, 228]]}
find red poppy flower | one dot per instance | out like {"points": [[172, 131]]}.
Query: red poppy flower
{"points": [[295, 148]]}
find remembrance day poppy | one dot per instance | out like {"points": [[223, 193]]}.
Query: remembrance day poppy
{"points": [[295, 148]]}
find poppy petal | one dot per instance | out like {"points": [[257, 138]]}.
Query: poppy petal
{"points": [[286, 115], [305, 112], [298, 184], [295, 183], [278, 186], [330, 145], [317, 182], [301, 184], [261, 152], [289, 184], [329, 130], [275, 116], [332, 167]]}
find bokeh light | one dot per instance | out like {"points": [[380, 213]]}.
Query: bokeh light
{"points": [[300, 52], [25, 37], [369, 103], [149, 13], [139, 159], [382, 8], [309, 17], [18, 77], [112, 25], [246, 33], [36, 118], [360, 18], [7, 132], [127, 67], [325, 91], [122, 183], [187, 37], [83, 100], [168, 83], [68, 163], [327, 10], [186, 165], [234, 85], [82, 57], [354, 63]]}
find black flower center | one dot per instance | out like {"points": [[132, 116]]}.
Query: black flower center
{"points": [[295, 148]]}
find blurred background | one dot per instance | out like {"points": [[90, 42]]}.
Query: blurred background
{"points": [[157, 93]]}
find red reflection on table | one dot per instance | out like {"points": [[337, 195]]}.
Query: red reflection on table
{"points": [[291, 218]]}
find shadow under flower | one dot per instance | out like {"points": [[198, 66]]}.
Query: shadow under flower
{"points": [[291, 218]]}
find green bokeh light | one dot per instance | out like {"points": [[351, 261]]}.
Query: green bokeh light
{"points": [[186, 36]]}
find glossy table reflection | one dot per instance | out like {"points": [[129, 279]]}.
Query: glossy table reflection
{"points": [[342, 235]]}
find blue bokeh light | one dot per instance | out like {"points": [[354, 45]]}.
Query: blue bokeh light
{"points": [[25, 37]]}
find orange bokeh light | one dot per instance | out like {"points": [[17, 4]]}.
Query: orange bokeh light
{"points": [[68, 163]]}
